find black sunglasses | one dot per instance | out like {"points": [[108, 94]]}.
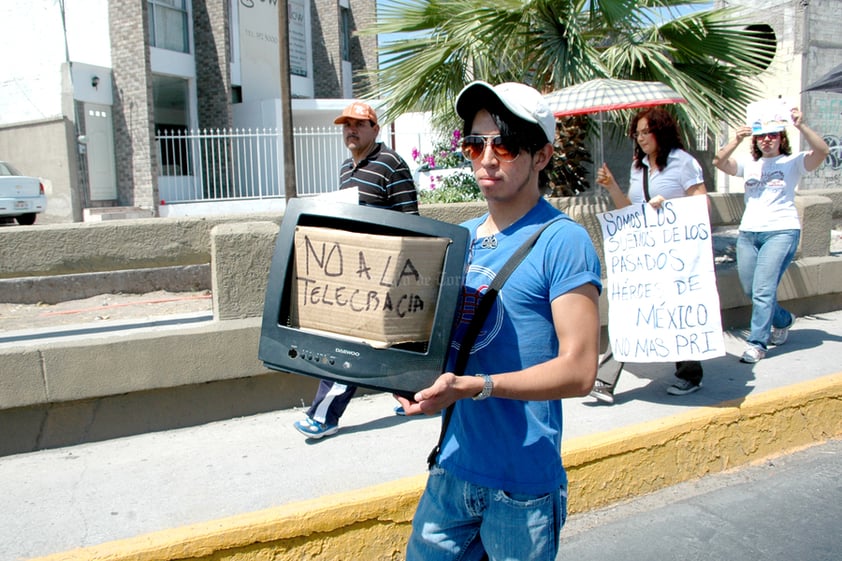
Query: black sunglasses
{"points": [[505, 148]]}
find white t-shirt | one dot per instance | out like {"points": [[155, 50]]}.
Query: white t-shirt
{"points": [[770, 186], [681, 172]]}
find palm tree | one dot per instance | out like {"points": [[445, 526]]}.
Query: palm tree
{"points": [[710, 57]]}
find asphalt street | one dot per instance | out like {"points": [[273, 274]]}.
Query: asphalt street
{"points": [[60, 499], [786, 509]]}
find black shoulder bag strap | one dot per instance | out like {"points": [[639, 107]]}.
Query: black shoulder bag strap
{"points": [[646, 183], [481, 312]]}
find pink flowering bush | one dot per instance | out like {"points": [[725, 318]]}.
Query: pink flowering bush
{"points": [[445, 154], [446, 176]]}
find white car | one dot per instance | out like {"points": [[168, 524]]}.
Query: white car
{"points": [[21, 197]]}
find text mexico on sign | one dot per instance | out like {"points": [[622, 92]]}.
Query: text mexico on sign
{"points": [[663, 305]]}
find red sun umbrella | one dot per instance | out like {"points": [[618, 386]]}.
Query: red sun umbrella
{"points": [[609, 94]]}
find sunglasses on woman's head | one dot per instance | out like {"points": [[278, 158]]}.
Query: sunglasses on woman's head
{"points": [[772, 135], [505, 148]]}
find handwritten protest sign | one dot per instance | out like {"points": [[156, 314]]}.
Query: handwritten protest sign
{"points": [[378, 288], [663, 305]]}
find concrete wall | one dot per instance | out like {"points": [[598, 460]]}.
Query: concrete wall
{"points": [[808, 46], [822, 52], [43, 149], [63, 249], [142, 243]]}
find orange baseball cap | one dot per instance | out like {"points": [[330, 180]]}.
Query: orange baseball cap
{"points": [[359, 111]]}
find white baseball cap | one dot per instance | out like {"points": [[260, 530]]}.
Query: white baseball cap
{"points": [[522, 100]]}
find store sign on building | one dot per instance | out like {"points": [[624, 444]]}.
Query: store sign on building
{"points": [[259, 52], [297, 38]]}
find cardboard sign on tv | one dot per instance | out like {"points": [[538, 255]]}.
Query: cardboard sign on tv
{"points": [[378, 288]]}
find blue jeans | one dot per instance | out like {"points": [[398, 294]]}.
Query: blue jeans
{"points": [[459, 521], [762, 259]]}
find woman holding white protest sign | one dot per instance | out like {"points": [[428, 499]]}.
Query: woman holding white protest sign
{"points": [[770, 228], [661, 170]]}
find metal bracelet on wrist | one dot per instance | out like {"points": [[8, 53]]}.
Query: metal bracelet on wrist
{"points": [[487, 388]]}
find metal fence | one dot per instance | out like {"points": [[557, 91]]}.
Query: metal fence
{"points": [[319, 152], [208, 165], [215, 165]]}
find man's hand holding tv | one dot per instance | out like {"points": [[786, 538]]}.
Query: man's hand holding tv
{"points": [[446, 390]]}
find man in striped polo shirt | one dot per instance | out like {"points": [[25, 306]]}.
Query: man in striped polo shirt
{"points": [[383, 179], [380, 174]]}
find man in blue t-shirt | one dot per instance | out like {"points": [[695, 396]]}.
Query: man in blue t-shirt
{"points": [[498, 487]]}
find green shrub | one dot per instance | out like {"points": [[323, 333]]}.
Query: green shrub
{"points": [[448, 187], [457, 188]]}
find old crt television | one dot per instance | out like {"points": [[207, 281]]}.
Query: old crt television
{"points": [[362, 295]]}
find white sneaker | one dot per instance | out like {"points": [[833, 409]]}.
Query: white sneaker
{"points": [[603, 392], [753, 354], [779, 334]]}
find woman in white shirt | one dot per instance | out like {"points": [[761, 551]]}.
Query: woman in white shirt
{"points": [[661, 170], [770, 228]]}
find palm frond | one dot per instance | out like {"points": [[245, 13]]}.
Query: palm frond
{"points": [[710, 57]]}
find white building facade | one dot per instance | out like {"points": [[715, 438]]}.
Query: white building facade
{"points": [[101, 79]]}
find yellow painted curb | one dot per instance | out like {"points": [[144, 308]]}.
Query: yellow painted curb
{"points": [[374, 523], [632, 461]]}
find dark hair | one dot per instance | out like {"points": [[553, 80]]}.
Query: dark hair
{"points": [[784, 148], [523, 135], [665, 128]]}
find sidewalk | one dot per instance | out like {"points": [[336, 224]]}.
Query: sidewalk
{"points": [[57, 500]]}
